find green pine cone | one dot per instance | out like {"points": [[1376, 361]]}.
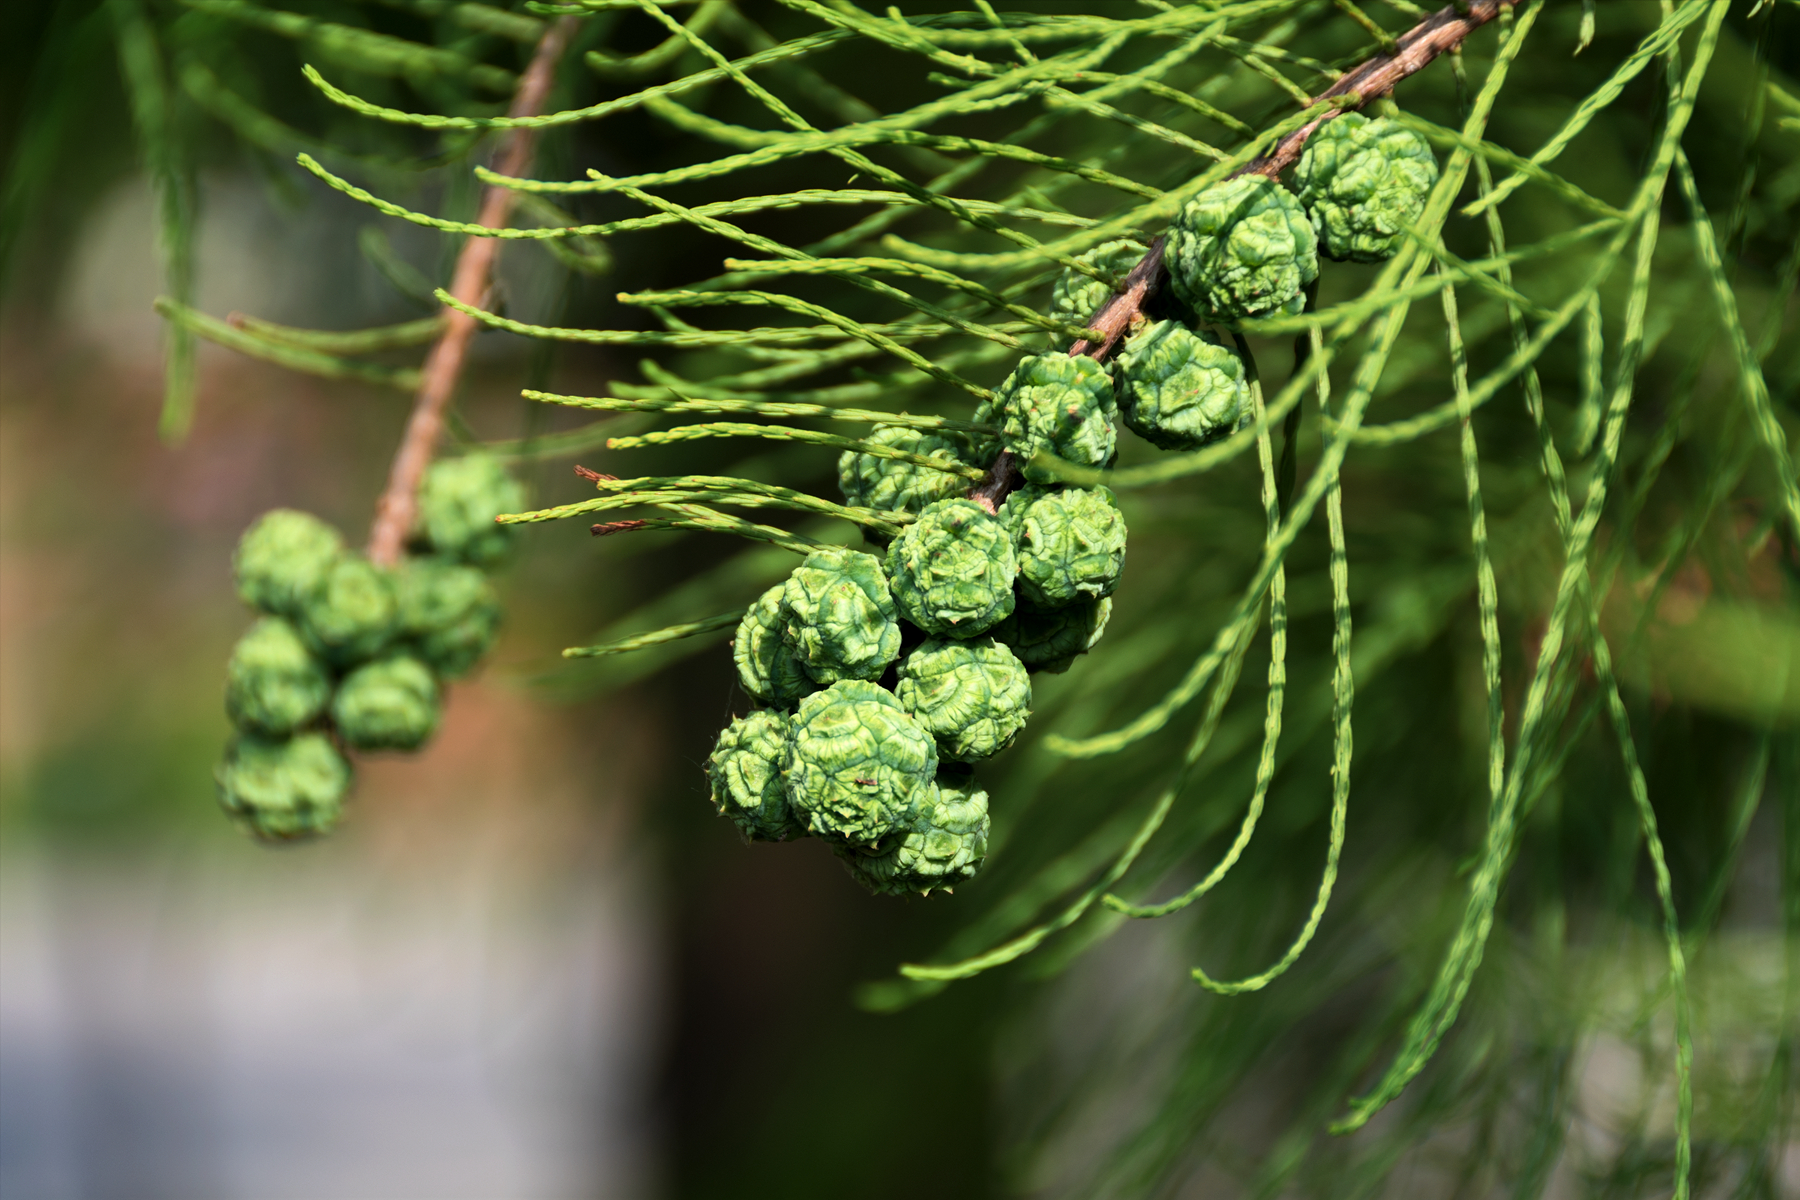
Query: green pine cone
{"points": [[1077, 297], [280, 789], [458, 503], [942, 846], [1056, 403], [952, 570], [1049, 640], [1012, 509], [1242, 248], [273, 683], [870, 481], [352, 615], [841, 622], [767, 666], [389, 704], [1071, 544], [858, 767], [1179, 389], [1363, 182], [974, 697], [745, 774], [282, 558], [449, 613]]}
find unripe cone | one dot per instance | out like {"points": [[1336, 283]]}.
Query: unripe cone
{"points": [[1071, 544], [1363, 182], [1179, 389], [273, 683], [952, 570], [280, 789], [458, 501], [871, 481], [840, 617], [389, 704], [745, 774], [1242, 248], [767, 666], [858, 767], [448, 613], [1049, 640], [974, 697], [1055, 403], [352, 614], [282, 558], [1077, 296], [943, 845]]}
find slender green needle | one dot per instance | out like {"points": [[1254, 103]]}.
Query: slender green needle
{"points": [[350, 341], [282, 353], [785, 433], [764, 408], [672, 633]]}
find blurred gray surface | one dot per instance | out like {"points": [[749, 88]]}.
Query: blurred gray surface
{"points": [[204, 1024]]}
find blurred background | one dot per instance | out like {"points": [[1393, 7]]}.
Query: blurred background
{"points": [[535, 964], [463, 995]]}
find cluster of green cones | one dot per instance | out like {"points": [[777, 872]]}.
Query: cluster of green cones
{"points": [[1243, 248], [883, 678], [1248, 246], [349, 656]]}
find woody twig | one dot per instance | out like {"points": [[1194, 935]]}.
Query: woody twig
{"points": [[398, 505], [1437, 34]]}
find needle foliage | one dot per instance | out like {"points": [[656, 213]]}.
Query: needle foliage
{"points": [[1448, 697]]}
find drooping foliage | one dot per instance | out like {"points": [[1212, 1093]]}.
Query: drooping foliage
{"points": [[1507, 519]]}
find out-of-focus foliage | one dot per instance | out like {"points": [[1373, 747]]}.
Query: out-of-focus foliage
{"points": [[458, 503], [284, 789], [1517, 511]]}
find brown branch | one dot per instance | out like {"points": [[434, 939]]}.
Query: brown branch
{"points": [[1441, 32], [1437, 34], [398, 505], [1002, 477], [1114, 317]]}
